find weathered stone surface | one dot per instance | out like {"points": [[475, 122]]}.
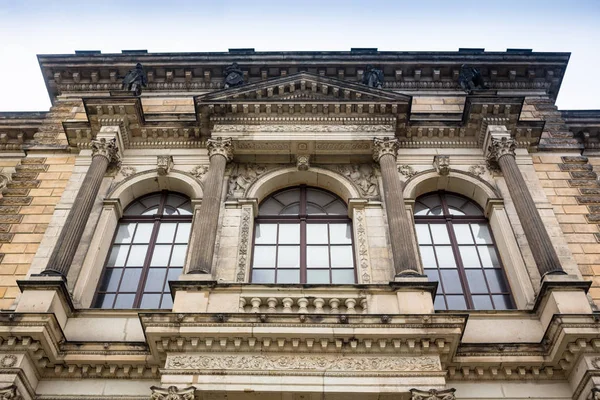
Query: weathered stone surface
{"points": [[15, 201], [14, 192], [31, 168], [575, 167], [583, 175], [9, 209], [11, 219], [583, 182], [575, 159]]}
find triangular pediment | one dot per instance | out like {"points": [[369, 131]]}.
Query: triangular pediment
{"points": [[303, 87]]}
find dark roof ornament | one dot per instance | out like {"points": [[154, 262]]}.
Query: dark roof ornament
{"points": [[373, 77], [234, 76], [135, 79], [470, 79]]}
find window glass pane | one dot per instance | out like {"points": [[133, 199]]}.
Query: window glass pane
{"points": [[316, 233], [436, 211], [270, 207], [431, 201], [445, 257], [489, 259], [314, 209], [125, 233], [476, 281], [468, 255], [124, 301], [183, 232], [496, 281], [155, 280], [131, 280], [342, 276], [135, 209], [463, 234], [178, 256], [451, 281], [455, 211], [168, 210], [337, 208], [105, 300], [151, 201], [294, 209], [318, 197], [439, 233], [341, 256], [150, 301], [340, 234], [160, 257], [111, 279], [317, 276], [433, 276], [151, 211], [471, 209], [175, 200], [143, 233], [185, 208], [166, 233], [439, 303], [118, 255], [264, 256], [288, 197], [481, 233], [423, 236], [317, 257], [172, 275], [289, 234], [428, 257], [167, 301], [502, 302], [456, 302], [266, 234], [137, 254], [288, 276], [288, 257], [455, 202], [482, 302], [263, 276], [421, 209]]}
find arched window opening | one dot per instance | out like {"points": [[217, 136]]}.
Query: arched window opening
{"points": [[303, 235], [148, 251], [458, 251]]}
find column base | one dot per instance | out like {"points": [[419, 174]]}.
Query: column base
{"points": [[415, 294], [46, 294], [562, 294]]}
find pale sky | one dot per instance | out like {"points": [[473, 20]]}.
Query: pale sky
{"points": [[30, 27]]}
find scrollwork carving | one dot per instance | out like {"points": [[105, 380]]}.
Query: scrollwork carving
{"points": [[199, 171], [106, 148], [10, 393], [595, 395], [242, 176], [383, 147], [363, 176], [363, 245], [220, 146], [127, 171], [477, 170], [243, 246], [447, 394], [220, 128], [172, 393], [407, 171], [500, 147]]}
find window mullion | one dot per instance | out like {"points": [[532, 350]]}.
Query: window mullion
{"points": [[303, 249], [459, 265], [146, 266]]}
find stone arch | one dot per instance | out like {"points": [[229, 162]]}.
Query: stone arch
{"points": [[291, 176], [456, 181], [142, 183]]}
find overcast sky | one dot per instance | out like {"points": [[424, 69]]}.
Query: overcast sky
{"points": [[30, 27]]}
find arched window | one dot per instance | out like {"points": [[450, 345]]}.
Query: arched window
{"points": [[458, 250], [303, 235], [148, 251]]}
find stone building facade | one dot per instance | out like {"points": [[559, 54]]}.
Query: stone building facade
{"points": [[300, 225]]}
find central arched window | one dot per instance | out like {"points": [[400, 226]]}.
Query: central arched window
{"points": [[458, 251], [148, 251], [303, 235]]}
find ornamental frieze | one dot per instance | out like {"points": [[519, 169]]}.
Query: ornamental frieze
{"points": [[363, 176], [303, 128], [303, 362]]}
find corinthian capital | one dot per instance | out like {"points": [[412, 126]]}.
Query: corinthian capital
{"points": [[501, 146], [221, 147], [106, 148], [446, 394], [172, 393], [382, 147]]}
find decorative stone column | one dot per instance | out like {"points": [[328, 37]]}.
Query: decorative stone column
{"points": [[502, 150], [401, 234], [205, 228], [104, 152], [446, 394]]}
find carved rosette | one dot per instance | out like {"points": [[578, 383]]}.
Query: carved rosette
{"points": [[446, 394], [164, 164], [303, 162], [381, 147], [499, 147], [10, 393], [219, 146], [172, 393], [106, 148], [442, 164]]}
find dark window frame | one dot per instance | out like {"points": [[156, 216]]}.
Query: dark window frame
{"points": [[156, 220], [449, 220], [303, 219]]}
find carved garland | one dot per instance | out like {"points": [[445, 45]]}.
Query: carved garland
{"points": [[243, 246], [363, 247]]}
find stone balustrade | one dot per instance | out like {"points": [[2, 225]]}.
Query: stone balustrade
{"points": [[304, 304]]}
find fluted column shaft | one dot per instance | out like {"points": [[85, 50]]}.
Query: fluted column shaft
{"points": [[205, 228], [103, 152], [401, 234], [546, 259]]}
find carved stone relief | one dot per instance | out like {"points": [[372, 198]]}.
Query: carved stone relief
{"points": [[303, 162], [447, 394], [10, 393], [363, 245], [407, 171], [242, 176], [442, 164], [199, 171], [3, 182], [477, 170], [243, 249], [172, 393], [164, 164], [8, 361], [302, 128], [127, 171], [363, 176]]}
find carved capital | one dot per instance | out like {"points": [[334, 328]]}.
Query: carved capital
{"points": [[164, 164], [172, 393], [446, 394], [106, 148], [501, 146], [219, 146], [10, 393], [303, 162], [382, 147], [595, 395], [442, 164]]}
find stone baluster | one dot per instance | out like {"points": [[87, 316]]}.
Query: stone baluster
{"points": [[502, 150], [205, 228], [401, 233], [104, 152]]}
